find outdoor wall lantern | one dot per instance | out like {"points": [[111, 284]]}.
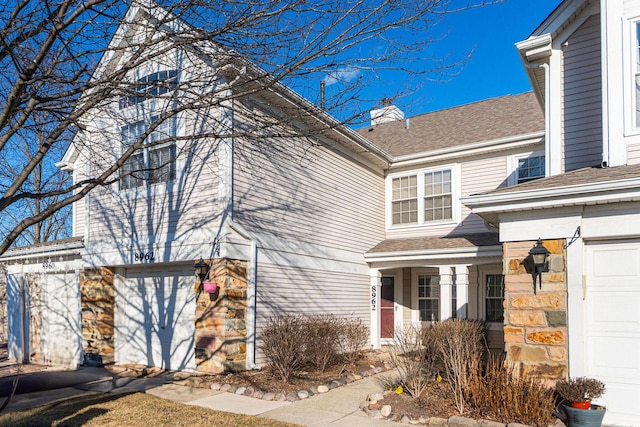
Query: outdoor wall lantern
{"points": [[206, 285], [538, 263]]}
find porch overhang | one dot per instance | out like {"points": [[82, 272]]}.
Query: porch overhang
{"points": [[425, 249]]}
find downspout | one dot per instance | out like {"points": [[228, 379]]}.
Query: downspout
{"points": [[250, 318]]}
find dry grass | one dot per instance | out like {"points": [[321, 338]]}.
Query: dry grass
{"points": [[128, 410]]}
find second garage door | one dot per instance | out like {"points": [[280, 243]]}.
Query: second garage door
{"points": [[154, 317], [612, 328]]}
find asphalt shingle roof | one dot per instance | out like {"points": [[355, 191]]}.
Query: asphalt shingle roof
{"points": [[486, 120], [429, 243], [590, 175]]}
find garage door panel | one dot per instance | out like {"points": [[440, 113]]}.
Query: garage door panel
{"points": [[155, 309], [612, 326], [614, 311], [623, 351]]}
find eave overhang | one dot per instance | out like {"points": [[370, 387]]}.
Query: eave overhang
{"points": [[490, 206]]}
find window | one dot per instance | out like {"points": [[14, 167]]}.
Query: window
{"points": [[494, 288], [405, 200], [422, 198], [437, 195], [154, 164], [530, 168], [429, 297], [149, 86]]}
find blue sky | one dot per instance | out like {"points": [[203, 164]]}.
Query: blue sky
{"points": [[494, 68]]}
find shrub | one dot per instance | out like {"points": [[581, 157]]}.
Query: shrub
{"points": [[410, 357], [322, 337], [354, 336], [460, 346], [580, 389], [495, 392], [283, 343]]}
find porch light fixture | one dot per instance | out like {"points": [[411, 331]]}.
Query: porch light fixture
{"points": [[202, 268], [539, 256]]}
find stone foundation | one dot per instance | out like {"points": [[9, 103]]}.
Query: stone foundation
{"points": [[535, 324], [220, 329], [97, 297]]}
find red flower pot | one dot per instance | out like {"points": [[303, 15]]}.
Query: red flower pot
{"points": [[581, 405]]}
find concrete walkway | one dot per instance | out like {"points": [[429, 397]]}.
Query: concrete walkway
{"points": [[337, 407]]}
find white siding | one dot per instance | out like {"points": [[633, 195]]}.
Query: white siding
{"points": [[582, 97], [298, 189], [633, 154], [293, 290], [479, 176]]}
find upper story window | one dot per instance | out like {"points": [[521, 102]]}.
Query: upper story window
{"points": [[153, 164], [422, 198], [150, 86], [530, 168]]}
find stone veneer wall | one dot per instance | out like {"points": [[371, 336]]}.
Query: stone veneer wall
{"points": [[220, 328], [97, 298], [535, 330]]}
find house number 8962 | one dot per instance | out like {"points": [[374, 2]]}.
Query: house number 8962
{"points": [[143, 256]]}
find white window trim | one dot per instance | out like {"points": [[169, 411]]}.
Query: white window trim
{"points": [[629, 63], [456, 206], [512, 178], [482, 296], [415, 301]]}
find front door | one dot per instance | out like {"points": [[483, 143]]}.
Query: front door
{"points": [[386, 307]]}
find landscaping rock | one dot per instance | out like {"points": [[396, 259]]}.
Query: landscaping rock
{"points": [[269, 396], [303, 394], [215, 386], [240, 390], [439, 422], [225, 387], [385, 410], [257, 394], [375, 397], [323, 389], [281, 397], [456, 421], [292, 397], [489, 423], [249, 391], [405, 419], [423, 420]]}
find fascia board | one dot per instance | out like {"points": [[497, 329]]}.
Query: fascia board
{"points": [[469, 149], [72, 248], [435, 254], [559, 17], [594, 193]]}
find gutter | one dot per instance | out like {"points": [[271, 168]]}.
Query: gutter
{"points": [[589, 193], [69, 248]]}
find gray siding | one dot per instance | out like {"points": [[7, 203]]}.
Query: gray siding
{"points": [[582, 97]]}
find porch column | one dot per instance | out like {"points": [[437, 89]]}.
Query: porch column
{"points": [[374, 303], [462, 291], [445, 292]]}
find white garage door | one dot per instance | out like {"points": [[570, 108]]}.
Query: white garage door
{"points": [[61, 324], [613, 327], [154, 317]]}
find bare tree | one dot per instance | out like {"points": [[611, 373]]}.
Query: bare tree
{"points": [[69, 64]]}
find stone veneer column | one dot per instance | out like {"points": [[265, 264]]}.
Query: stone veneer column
{"points": [[535, 329], [221, 331], [97, 298]]}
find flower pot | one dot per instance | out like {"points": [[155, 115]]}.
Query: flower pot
{"points": [[585, 417], [581, 405]]}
